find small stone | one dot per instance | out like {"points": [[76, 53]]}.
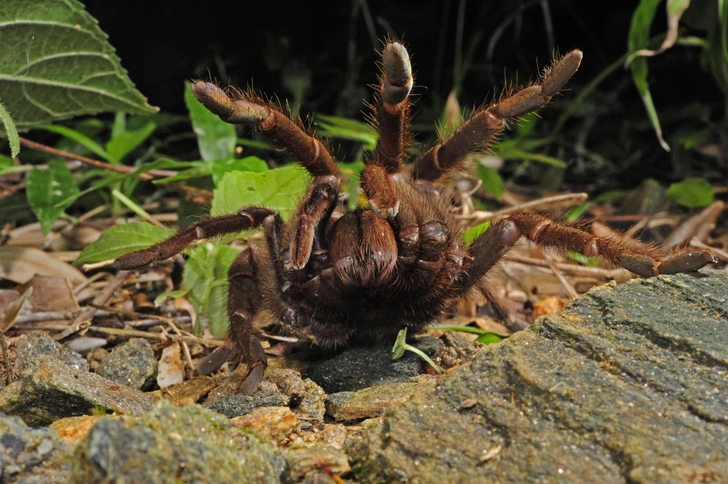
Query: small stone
{"points": [[306, 463], [362, 367], [131, 364], [170, 370], [31, 347], [277, 424], [189, 391], [373, 401], [237, 405]]}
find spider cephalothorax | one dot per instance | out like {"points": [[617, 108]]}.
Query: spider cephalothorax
{"points": [[398, 262]]}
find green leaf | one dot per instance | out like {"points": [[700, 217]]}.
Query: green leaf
{"points": [[488, 338], [56, 63], [351, 173], [205, 277], [10, 130], [345, 128], [215, 138], [691, 193], [46, 188], [249, 163], [79, 138], [279, 190], [124, 142], [473, 233], [122, 239], [638, 39], [492, 181]]}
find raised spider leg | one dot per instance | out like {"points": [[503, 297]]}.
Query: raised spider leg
{"points": [[645, 262], [391, 112], [482, 129], [245, 218], [307, 150]]}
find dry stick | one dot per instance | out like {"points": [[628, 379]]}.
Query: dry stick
{"points": [[571, 269], [566, 284], [723, 255], [133, 333], [95, 163], [565, 200], [192, 192]]}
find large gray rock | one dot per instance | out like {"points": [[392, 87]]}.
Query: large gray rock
{"points": [[55, 390], [31, 456], [174, 444], [628, 384]]}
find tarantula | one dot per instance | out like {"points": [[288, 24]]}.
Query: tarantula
{"points": [[396, 262]]}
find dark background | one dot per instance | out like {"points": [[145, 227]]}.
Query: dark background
{"points": [[163, 44]]}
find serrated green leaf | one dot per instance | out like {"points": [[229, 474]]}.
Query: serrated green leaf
{"points": [[205, 278], [492, 181], [215, 138], [56, 63], [473, 233], [46, 188], [691, 193], [249, 163], [279, 190], [122, 239]]}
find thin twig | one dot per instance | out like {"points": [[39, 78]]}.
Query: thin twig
{"points": [[570, 269], [95, 163], [566, 284], [565, 200]]}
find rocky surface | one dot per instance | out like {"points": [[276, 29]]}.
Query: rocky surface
{"points": [[628, 384], [31, 456], [174, 444], [55, 390]]}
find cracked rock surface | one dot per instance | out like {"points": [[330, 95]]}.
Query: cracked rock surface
{"points": [[628, 384]]}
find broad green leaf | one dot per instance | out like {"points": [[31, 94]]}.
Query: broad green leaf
{"points": [[56, 63], [492, 181], [639, 34], [215, 138], [279, 190], [691, 193], [473, 233], [10, 130], [46, 188], [249, 163], [122, 239], [205, 278]]}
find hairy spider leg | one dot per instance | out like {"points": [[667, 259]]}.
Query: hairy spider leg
{"points": [[287, 134], [643, 261], [481, 130], [244, 219], [391, 113]]}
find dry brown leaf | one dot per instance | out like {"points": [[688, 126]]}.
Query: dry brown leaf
{"points": [[20, 264]]}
